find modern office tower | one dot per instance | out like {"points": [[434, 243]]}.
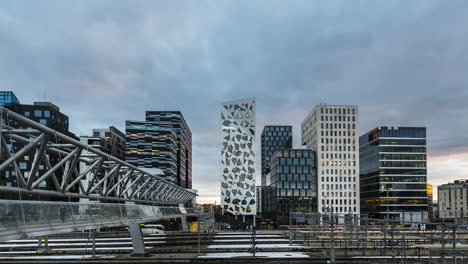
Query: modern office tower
{"points": [[151, 145], [453, 199], [184, 142], [331, 130], [291, 185], [273, 138], [108, 140], [8, 97], [44, 113], [238, 157], [393, 173]]}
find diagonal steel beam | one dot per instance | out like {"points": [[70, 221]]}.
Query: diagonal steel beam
{"points": [[56, 167], [37, 160]]}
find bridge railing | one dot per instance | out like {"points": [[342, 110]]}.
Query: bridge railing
{"points": [[20, 219]]}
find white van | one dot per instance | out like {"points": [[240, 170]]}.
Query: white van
{"points": [[152, 229]]}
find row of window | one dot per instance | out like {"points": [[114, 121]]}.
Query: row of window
{"points": [[337, 126], [328, 195], [338, 209], [326, 133], [339, 111], [339, 186], [275, 133], [296, 192], [338, 171], [339, 201], [338, 118], [337, 148], [294, 169], [338, 179], [337, 141], [294, 161], [408, 164], [338, 155], [294, 177], [296, 185], [338, 163]]}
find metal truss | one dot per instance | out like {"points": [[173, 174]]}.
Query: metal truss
{"points": [[104, 177]]}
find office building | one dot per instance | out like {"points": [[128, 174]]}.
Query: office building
{"points": [[108, 140], [393, 163], [45, 113], [183, 141], [150, 145], [331, 130], [273, 138], [162, 141], [291, 184], [453, 205], [238, 157]]}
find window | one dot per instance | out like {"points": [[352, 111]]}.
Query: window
{"points": [[22, 165], [46, 113], [37, 113], [26, 113], [43, 122]]}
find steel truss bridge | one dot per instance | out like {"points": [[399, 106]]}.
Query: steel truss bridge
{"points": [[116, 192]]}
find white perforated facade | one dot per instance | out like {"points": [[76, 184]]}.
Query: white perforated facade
{"points": [[238, 157]]}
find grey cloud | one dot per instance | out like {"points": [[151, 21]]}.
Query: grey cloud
{"points": [[402, 62]]}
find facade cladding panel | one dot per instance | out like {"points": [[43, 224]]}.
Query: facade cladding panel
{"points": [[46, 114], [184, 142], [238, 157], [150, 145], [331, 130], [292, 184], [393, 167], [273, 138]]}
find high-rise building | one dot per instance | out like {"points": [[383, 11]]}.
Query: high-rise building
{"points": [[162, 141], [150, 145], [273, 138], [238, 157], [108, 140], [393, 173], [453, 203], [45, 113], [291, 184], [331, 130], [183, 141]]}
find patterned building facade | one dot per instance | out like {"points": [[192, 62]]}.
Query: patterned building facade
{"points": [[238, 157]]}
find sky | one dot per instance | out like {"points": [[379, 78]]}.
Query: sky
{"points": [[404, 63]]}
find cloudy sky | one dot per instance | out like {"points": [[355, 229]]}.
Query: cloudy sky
{"points": [[402, 62]]}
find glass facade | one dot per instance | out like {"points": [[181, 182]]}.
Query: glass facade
{"points": [[291, 185], [184, 143], [8, 97], [273, 138], [162, 141], [393, 178], [149, 145]]}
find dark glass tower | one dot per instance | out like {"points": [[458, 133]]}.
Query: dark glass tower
{"points": [[273, 138], [163, 141], [291, 185], [183, 141], [149, 145], [44, 113], [393, 173]]}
